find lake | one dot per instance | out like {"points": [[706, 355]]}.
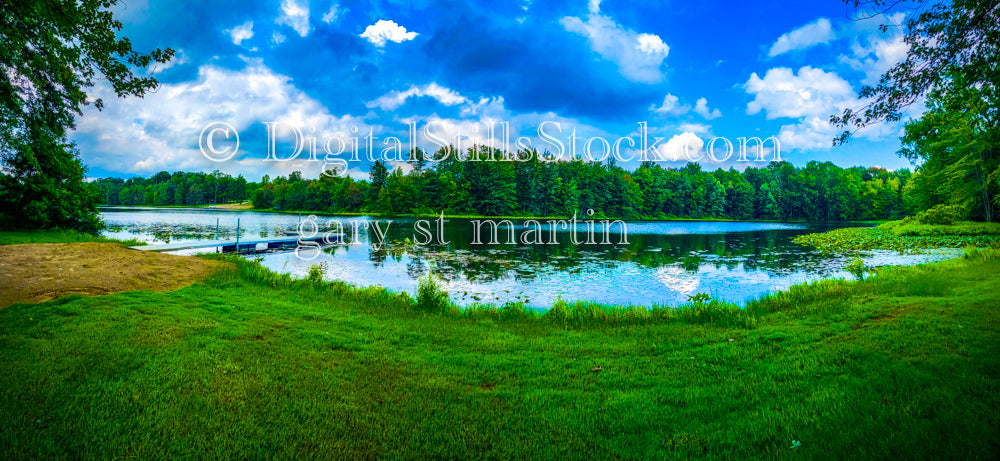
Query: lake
{"points": [[662, 263]]}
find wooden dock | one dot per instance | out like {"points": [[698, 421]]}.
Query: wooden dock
{"points": [[251, 244]]}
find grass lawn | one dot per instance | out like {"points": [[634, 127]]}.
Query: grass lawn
{"points": [[249, 364]]}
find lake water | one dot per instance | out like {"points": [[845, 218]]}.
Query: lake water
{"points": [[662, 263]]}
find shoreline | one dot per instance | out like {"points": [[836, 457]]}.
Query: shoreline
{"points": [[815, 240], [471, 216]]}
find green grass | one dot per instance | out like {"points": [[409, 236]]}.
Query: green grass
{"points": [[963, 228], [252, 364], [56, 236]]}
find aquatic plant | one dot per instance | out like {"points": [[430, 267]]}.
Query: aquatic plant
{"points": [[911, 238]]}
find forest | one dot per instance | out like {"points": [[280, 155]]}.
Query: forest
{"points": [[177, 189], [819, 191]]}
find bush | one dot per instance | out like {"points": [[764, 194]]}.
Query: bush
{"points": [[699, 298], [430, 297], [316, 273], [559, 311], [857, 268], [971, 252], [940, 214]]}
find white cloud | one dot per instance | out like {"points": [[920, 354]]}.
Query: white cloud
{"points": [[814, 33], [161, 130], [813, 92], [671, 106], [335, 13], [295, 16], [395, 99], [384, 30], [697, 128], [277, 37], [674, 149], [701, 108], [810, 133], [180, 58], [473, 128], [652, 44], [811, 97], [877, 52], [637, 55], [241, 32], [486, 107]]}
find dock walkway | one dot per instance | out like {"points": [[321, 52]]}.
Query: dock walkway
{"points": [[259, 243]]}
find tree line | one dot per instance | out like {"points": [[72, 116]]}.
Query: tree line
{"points": [[819, 191], [177, 189]]}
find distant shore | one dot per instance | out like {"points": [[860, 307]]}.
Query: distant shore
{"points": [[246, 206]]}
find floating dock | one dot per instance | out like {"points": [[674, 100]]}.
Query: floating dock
{"points": [[251, 244]]}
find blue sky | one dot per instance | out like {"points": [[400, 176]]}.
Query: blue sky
{"points": [[691, 70]]}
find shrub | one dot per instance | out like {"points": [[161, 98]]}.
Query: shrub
{"points": [[971, 252], [559, 311], [941, 214], [699, 298], [316, 273], [857, 268], [430, 297]]}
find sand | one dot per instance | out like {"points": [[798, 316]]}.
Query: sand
{"points": [[42, 272]]}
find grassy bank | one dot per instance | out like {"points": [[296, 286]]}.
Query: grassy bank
{"points": [[251, 364], [904, 228], [57, 236]]}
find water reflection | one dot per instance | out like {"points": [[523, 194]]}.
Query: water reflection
{"points": [[662, 263]]}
